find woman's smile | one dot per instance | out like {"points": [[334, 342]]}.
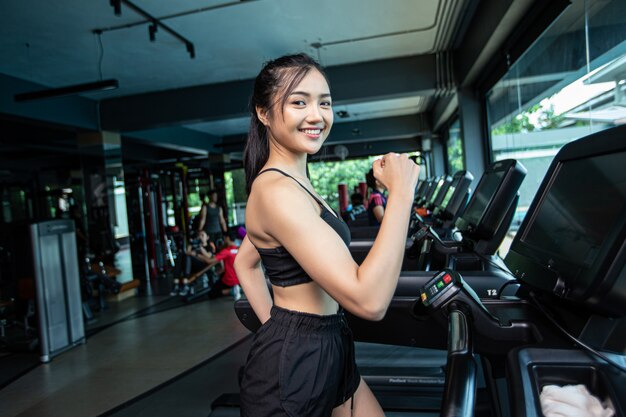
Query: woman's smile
{"points": [[313, 133]]}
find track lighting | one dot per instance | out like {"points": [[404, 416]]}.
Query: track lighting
{"points": [[152, 28], [117, 7]]}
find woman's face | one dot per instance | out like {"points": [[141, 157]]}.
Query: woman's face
{"points": [[306, 119]]}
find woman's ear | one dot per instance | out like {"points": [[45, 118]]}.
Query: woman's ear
{"points": [[262, 115]]}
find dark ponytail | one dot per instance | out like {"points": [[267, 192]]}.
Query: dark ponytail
{"points": [[272, 87]]}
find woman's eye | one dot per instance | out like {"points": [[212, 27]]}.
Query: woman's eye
{"points": [[298, 102], [326, 104]]}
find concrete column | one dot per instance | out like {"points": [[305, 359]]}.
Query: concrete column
{"points": [[475, 135]]}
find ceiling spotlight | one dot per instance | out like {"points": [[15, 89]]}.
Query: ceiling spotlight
{"points": [[117, 7], [191, 50], [152, 30], [342, 114], [68, 90]]}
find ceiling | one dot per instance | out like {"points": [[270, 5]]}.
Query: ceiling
{"points": [[388, 63]]}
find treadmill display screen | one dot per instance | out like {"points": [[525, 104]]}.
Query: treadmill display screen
{"points": [[449, 193], [578, 212], [482, 196], [434, 195]]}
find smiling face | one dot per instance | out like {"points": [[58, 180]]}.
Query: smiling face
{"points": [[306, 117]]}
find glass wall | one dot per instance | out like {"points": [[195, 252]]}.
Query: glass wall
{"points": [[236, 197], [456, 159], [569, 84]]}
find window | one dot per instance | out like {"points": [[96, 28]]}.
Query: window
{"points": [[456, 159], [567, 85], [236, 197]]}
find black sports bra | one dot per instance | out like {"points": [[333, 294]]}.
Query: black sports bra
{"points": [[280, 267]]}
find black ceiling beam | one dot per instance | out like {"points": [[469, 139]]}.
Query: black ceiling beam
{"points": [[380, 130], [400, 77], [178, 139], [360, 150]]}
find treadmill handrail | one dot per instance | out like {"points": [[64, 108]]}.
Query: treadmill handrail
{"points": [[460, 391]]}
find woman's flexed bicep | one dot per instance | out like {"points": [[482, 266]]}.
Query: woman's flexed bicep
{"points": [[252, 279]]}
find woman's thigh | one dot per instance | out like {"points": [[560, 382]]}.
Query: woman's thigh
{"points": [[365, 404]]}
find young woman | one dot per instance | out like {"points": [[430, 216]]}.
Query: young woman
{"points": [[301, 362]]}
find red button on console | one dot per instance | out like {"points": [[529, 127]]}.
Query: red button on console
{"points": [[447, 278]]}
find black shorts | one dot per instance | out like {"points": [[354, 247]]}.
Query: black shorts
{"points": [[299, 365]]}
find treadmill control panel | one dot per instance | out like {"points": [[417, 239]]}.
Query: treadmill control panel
{"points": [[441, 288]]}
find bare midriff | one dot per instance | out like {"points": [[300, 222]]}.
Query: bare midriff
{"points": [[306, 298]]}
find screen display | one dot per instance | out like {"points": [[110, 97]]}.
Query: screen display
{"points": [[434, 195], [448, 196], [580, 208], [421, 189], [482, 196]]}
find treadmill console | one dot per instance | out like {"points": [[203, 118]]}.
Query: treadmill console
{"points": [[446, 292], [446, 286], [492, 200], [572, 242]]}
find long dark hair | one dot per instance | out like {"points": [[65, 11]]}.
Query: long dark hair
{"points": [[370, 179], [272, 87]]}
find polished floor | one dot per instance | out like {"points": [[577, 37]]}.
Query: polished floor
{"points": [[130, 354]]}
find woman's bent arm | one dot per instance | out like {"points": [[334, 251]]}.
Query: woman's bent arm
{"points": [[365, 290], [252, 279]]}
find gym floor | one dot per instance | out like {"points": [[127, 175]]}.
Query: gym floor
{"points": [[146, 344]]}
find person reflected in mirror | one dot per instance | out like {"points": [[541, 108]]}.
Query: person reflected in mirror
{"points": [[212, 219], [199, 257]]}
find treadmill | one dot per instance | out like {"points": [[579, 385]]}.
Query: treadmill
{"points": [[569, 257], [479, 230], [448, 206], [363, 238], [403, 377], [431, 189], [454, 201]]}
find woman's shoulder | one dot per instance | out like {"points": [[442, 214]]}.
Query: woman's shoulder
{"points": [[272, 184], [275, 191], [376, 198]]}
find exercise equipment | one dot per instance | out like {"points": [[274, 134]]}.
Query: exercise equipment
{"points": [[564, 324]]}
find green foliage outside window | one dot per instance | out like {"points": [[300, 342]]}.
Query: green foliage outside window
{"points": [[228, 183], [537, 117], [326, 176], [455, 156], [456, 161]]}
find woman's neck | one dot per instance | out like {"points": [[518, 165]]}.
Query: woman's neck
{"points": [[291, 163]]}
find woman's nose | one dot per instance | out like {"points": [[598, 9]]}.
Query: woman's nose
{"points": [[314, 114]]}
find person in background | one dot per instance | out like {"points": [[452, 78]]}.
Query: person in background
{"points": [[377, 201], [199, 253], [356, 207], [228, 284], [212, 218]]}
